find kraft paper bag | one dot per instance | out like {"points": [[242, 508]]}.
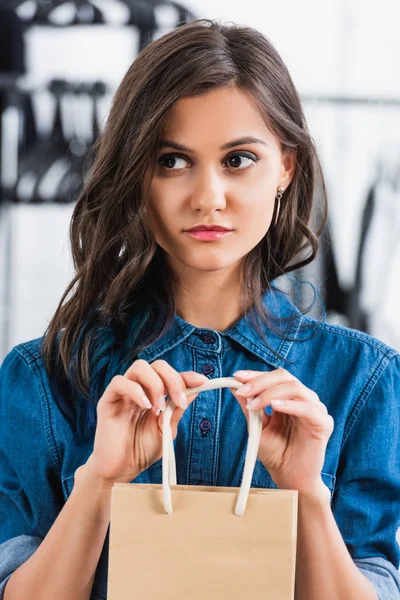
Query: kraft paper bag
{"points": [[182, 542]]}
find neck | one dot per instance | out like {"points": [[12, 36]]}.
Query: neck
{"points": [[210, 300]]}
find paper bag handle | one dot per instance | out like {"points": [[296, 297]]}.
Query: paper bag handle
{"points": [[168, 457]]}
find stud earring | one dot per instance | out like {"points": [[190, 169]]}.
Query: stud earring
{"points": [[278, 197]]}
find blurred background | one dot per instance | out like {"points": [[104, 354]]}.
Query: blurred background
{"points": [[60, 64]]}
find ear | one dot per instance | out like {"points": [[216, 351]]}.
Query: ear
{"points": [[288, 168]]}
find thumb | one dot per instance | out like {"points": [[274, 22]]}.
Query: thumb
{"points": [[193, 379], [242, 401]]}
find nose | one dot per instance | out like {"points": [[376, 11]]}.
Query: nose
{"points": [[208, 193]]}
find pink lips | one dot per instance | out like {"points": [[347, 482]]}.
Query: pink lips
{"points": [[209, 235], [213, 227]]}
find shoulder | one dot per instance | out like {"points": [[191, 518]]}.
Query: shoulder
{"points": [[320, 338], [345, 366], [346, 344], [22, 364], [29, 351], [23, 368]]}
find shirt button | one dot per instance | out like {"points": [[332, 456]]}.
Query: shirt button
{"points": [[205, 425], [207, 369], [207, 338]]}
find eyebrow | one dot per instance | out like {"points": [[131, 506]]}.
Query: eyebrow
{"points": [[239, 142]]}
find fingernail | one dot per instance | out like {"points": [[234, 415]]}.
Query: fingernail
{"points": [[161, 402], [183, 402], [244, 389], [146, 402], [277, 402], [241, 373], [255, 403]]}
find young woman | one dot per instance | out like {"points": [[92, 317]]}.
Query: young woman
{"points": [[206, 131]]}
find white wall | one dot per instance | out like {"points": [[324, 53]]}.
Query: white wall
{"points": [[331, 47]]}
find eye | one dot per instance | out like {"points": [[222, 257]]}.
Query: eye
{"points": [[236, 160], [239, 161], [169, 161]]}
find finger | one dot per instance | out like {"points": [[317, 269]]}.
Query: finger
{"points": [[259, 380], [308, 412], [286, 390], [250, 374], [174, 383], [155, 384], [142, 372], [245, 375], [243, 402], [192, 379], [120, 387]]}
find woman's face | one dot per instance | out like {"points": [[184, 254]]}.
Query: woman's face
{"points": [[207, 183]]}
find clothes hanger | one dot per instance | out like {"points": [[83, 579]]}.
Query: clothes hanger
{"points": [[34, 11], [184, 14], [54, 157], [98, 90], [79, 147], [36, 163], [45, 12], [142, 16], [70, 181], [87, 13]]}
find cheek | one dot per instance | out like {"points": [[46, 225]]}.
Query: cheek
{"points": [[257, 189], [160, 206], [163, 219], [257, 207], [167, 195]]}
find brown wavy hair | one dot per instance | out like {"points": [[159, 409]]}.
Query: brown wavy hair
{"points": [[120, 270]]}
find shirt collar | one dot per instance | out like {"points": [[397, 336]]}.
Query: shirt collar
{"points": [[287, 320], [286, 325]]}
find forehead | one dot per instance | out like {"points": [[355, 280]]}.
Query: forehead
{"points": [[219, 115]]}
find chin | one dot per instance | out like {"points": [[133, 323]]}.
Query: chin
{"points": [[208, 265]]}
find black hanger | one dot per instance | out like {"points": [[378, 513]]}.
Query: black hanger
{"points": [[43, 153], [85, 12], [42, 10], [79, 165], [97, 90], [184, 14], [142, 16]]}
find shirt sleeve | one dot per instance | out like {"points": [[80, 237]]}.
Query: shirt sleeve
{"points": [[366, 502], [30, 495]]}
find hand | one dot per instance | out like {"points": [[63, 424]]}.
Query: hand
{"points": [[294, 437], [128, 436]]}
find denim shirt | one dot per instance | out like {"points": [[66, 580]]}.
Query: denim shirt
{"points": [[356, 376]]}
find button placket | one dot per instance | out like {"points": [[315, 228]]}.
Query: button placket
{"points": [[201, 470]]}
